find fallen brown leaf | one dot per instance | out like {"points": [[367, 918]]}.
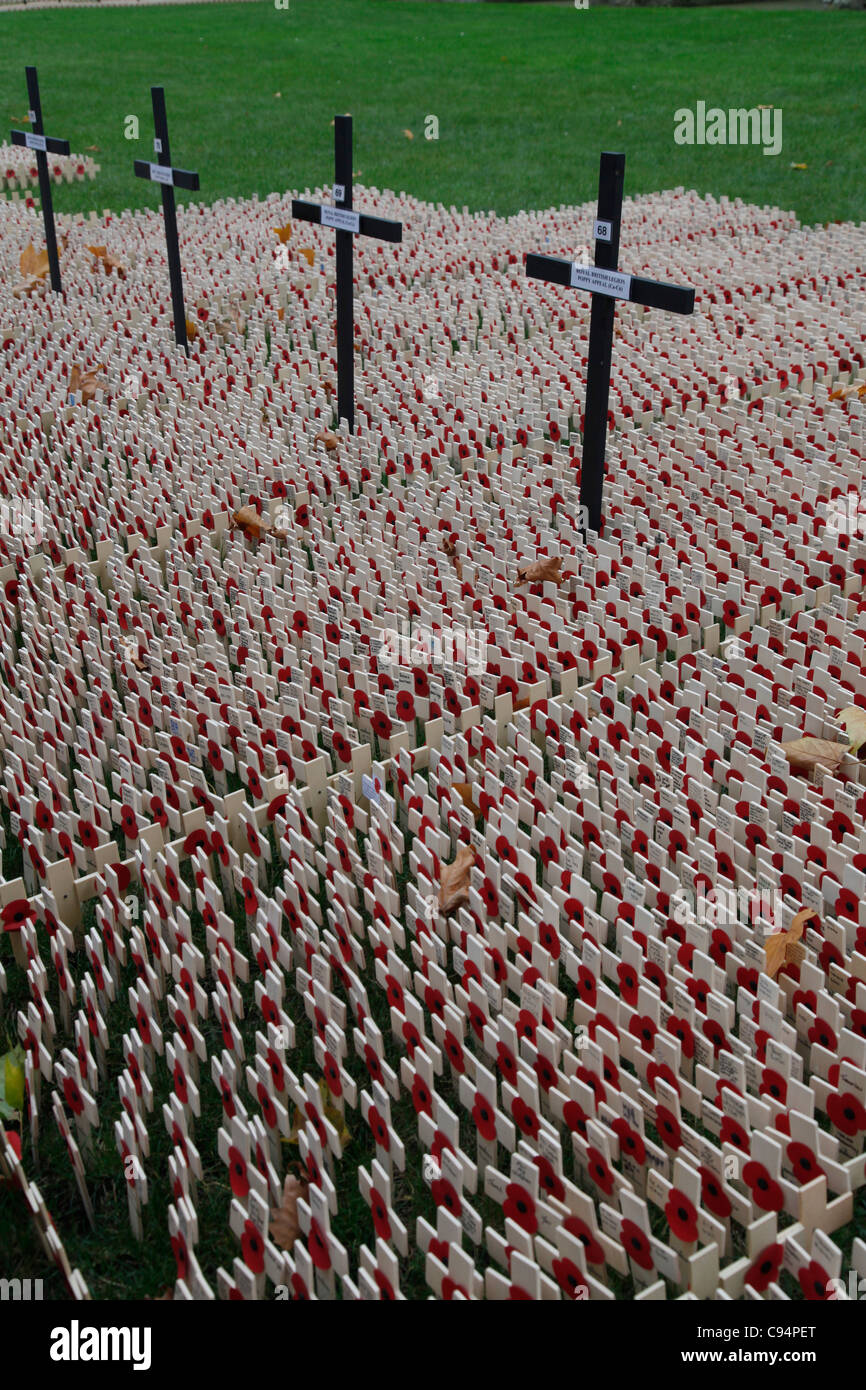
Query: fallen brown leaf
{"points": [[853, 720], [464, 791], [283, 232], [308, 254], [33, 263], [450, 548], [808, 755], [782, 946], [88, 383], [285, 1224], [109, 262], [328, 438], [454, 881], [544, 571], [409, 135]]}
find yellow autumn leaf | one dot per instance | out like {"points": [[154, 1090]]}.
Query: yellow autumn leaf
{"points": [[334, 1114], [409, 135], [799, 166], [308, 254], [109, 262], [191, 331], [33, 263], [283, 232]]}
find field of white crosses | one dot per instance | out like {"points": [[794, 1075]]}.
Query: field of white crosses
{"points": [[331, 967]]}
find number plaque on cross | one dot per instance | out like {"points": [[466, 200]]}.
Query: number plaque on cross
{"points": [[347, 224], [606, 284], [36, 139], [169, 179]]}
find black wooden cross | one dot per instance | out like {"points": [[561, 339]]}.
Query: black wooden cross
{"points": [[169, 178], [606, 284], [347, 224], [35, 139]]}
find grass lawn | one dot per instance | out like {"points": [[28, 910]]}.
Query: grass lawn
{"points": [[526, 97]]}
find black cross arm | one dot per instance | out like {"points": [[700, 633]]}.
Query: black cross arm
{"points": [[551, 268], [51, 145], [180, 178], [379, 227], [677, 299]]}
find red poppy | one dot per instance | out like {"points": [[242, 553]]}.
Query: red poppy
{"points": [[421, 1097], [599, 1170], [804, 1163], [379, 1211], [484, 1115], [644, 1029], [570, 1278], [444, 1194], [630, 1141], [240, 1183], [732, 1132], [764, 1270], [682, 1029], [636, 1244], [525, 1117], [682, 1216], [318, 1246], [846, 1113], [766, 1192], [815, 1283], [519, 1205], [668, 1127]]}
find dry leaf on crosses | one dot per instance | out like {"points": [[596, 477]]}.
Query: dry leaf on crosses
{"points": [[328, 438], [853, 720], [464, 791], [782, 946], [454, 881], [409, 135], [88, 383], [308, 254], [34, 268], [283, 232], [254, 527], [544, 571], [285, 1225], [191, 330], [808, 756], [109, 262], [450, 548]]}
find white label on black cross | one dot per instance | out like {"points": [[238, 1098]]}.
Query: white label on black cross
{"points": [[161, 173], [35, 142], [601, 230], [599, 281], [31, 116], [157, 146], [342, 219], [339, 192]]}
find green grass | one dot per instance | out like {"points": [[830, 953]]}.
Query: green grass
{"points": [[526, 97]]}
